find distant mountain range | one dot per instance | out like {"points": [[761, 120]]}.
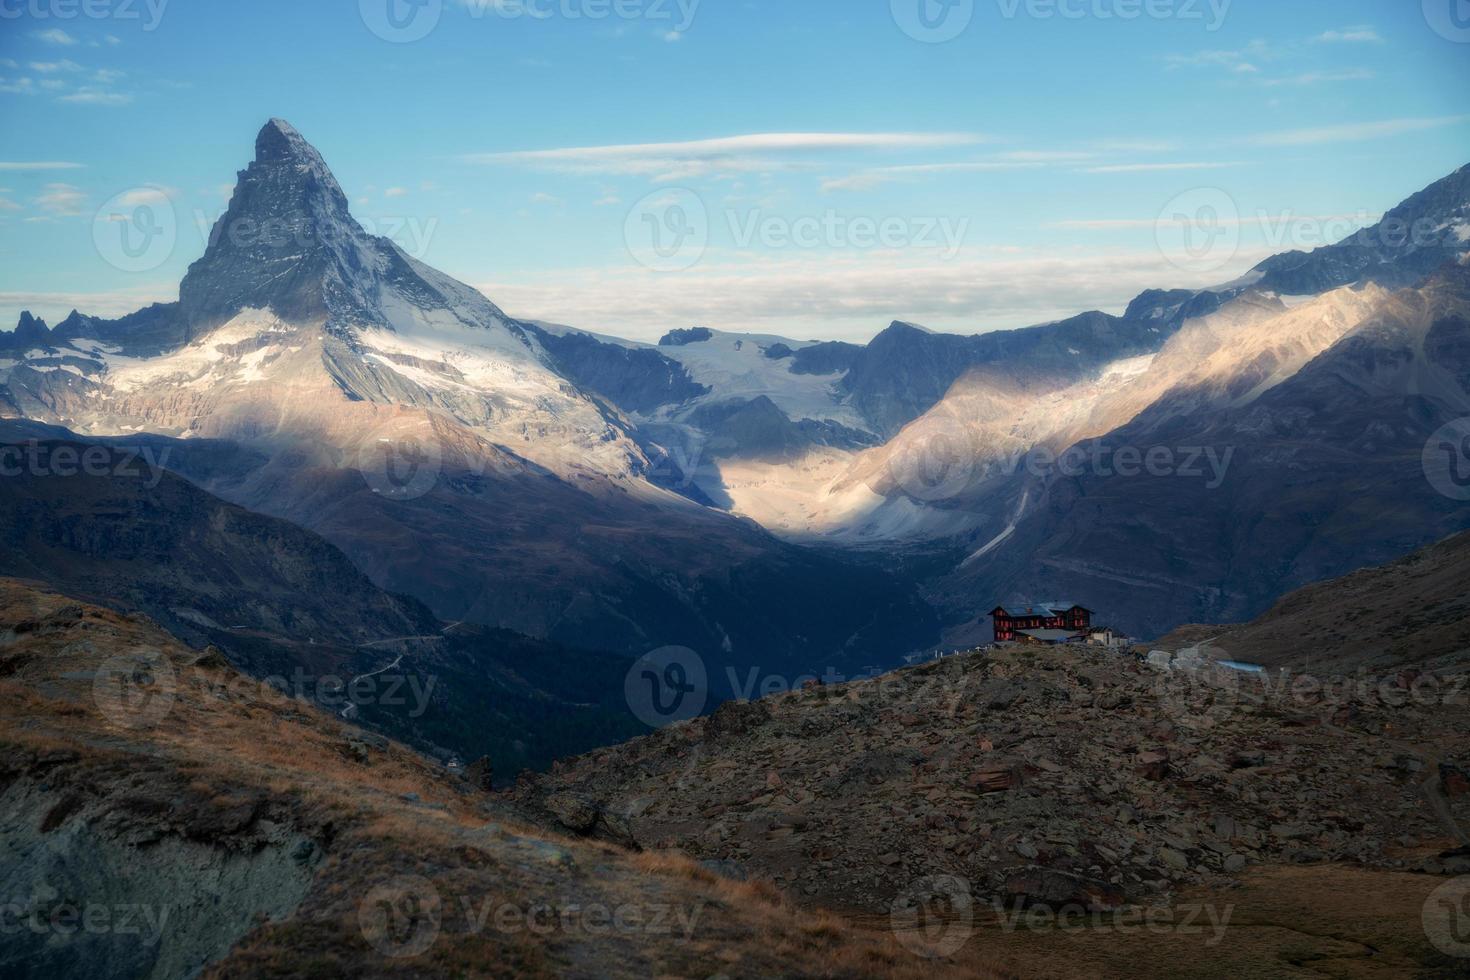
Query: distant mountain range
{"points": [[778, 503]]}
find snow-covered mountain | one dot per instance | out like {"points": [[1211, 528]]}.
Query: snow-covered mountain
{"points": [[408, 420], [567, 484]]}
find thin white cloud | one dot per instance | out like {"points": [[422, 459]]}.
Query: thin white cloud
{"points": [[62, 199], [8, 205], [1046, 156], [54, 307], [89, 95], [751, 152], [1360, 34], [396, 192], [1136, 146], [541, 197], [1239, 59], [1320, 77], [1131, 168], [864, 180], [1353, 132], [847, 297], [50, 67], [56, 35], [18, 86], [1257, 221], [24, 166], [147, 195]]}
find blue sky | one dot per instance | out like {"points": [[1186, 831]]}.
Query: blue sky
{"points": [[822, 167]]}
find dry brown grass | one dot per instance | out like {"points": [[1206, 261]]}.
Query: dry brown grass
{"points": [[223, 740]]}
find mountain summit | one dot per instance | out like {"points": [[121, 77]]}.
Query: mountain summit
{"points": [[288, 243]]}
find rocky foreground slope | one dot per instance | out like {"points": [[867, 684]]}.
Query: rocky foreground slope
{"points": [[162, 815], [1057, 775], [1411, 612]]}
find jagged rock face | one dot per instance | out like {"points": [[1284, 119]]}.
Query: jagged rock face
{"points": [[288, 243], [1425, 232], [1325, 473], [635, 379], [30, 332], [905, 371]]}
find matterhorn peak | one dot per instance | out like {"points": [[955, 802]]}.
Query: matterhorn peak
{"points": [[288, 243]]}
